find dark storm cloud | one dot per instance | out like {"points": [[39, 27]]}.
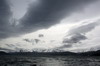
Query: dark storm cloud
{"points": [[48, 13], [38, 16], [5, 15], [6, 27]]}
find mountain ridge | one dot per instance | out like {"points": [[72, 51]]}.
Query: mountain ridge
{"points": [[89, 53]]}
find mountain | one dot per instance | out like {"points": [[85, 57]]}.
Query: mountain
{"points": [[43, 53], [89, 53]]}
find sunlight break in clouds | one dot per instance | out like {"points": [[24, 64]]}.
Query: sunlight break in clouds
{"points": [[53, 38]]}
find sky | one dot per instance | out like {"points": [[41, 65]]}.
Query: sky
{"points": [[49, 25]]}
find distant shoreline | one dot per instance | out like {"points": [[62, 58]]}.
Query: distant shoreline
{"points": [[90, 53]]}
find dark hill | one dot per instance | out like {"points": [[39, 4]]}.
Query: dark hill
{"points": [[89, 53], [2, 53]]}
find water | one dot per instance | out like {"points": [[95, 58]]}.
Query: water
{"points": [[49, 61]]}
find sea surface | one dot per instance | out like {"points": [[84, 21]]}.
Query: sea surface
{"points": [[49, 61]]}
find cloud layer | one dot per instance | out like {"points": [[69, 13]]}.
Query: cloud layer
{"points": [[40, 15], [78, 33], [49, 12]]}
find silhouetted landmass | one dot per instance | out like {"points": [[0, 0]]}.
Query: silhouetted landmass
{"points": [[43, 53], [3, 53], [89, 53]]}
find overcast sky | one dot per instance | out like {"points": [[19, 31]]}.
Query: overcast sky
{"points": [[50, 25]]}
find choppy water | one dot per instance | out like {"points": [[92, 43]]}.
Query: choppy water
{"points": [[49, 61]]}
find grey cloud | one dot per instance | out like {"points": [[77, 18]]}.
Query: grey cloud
{"points": [[48, 13], [65, 46], [68, 42], [27, 40], [36, 40], [33, 41], [41, 35], [60, 49], [5, 49], [10, 45], [74, 39], [84, 28], [52, 41]]}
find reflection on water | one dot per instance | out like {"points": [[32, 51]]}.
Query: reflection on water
{"points": [[49, 61]]}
